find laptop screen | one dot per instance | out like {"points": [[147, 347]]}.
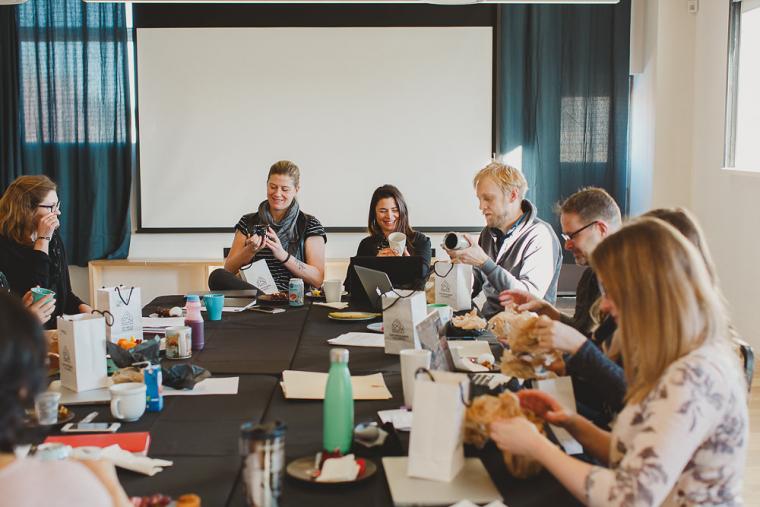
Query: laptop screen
{"points": [[404, 273]]}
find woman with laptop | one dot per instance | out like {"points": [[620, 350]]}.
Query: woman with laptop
{"points": [[388, 214], [682, 437], [290, 241]]}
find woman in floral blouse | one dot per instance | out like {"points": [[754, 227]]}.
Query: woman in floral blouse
{"points": [[682, 437]]}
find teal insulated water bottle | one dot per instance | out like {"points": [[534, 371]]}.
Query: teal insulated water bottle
{"points": [[338, 420]]}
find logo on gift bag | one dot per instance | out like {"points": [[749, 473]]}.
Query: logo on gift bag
{"points": [[66, 359], [446, 289], [261, 282], [398, 330]]}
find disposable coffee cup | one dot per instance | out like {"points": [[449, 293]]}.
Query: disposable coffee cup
{"points": [[397, 242], [454, 241], [128, 400], [333, 290], [411, 360], [46, 407], [39, 293]]}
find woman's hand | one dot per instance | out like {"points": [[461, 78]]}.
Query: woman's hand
{"points": [[545, 407], [387, 252], [553, 334], [272, 241], [47, 225], [43, 308], [516, 435], [253, 244], [85, 308], [527, 302]]}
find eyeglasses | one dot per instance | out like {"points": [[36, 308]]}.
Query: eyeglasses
{"points": [[568, 237], [51, 207]]}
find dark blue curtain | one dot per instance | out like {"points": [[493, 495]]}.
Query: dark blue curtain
{"points": [[73, 118], [564, 77]]}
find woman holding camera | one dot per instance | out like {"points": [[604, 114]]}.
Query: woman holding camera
{"points": [[31, 250], [682, 437], [291, 242]]}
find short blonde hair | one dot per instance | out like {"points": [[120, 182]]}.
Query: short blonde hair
{"points": [[667, 302], [505, 176]]}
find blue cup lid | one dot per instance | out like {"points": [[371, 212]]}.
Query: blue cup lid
{"points": [[193, 298]]}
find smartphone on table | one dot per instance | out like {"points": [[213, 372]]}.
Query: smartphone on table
{"points": [[91, 427]]}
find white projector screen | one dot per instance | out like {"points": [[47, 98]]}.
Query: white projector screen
{"points": [[354, 107]]}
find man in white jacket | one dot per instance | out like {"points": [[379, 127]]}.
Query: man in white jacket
{"points": [[516, 249]]}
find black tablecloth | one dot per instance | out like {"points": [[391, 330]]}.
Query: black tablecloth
{"points": [[200, 434]]}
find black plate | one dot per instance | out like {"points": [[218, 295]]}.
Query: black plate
{"points": [[301, 468]]}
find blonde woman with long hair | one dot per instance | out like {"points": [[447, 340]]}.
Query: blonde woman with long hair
{"points": [[682, 437]]}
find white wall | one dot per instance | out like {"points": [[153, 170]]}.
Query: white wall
{"points": [[677, 144]]}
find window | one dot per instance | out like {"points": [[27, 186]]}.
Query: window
{"points": [[71, 82], [743, 95]]}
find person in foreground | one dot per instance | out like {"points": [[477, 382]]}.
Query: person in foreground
{"points": [[516, 249], [682, 437], [29, 482], [31, 249], [291, 242], [587, 217]]}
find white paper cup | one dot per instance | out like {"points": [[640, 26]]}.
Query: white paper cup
{"points": [[128, 400], [46, 407], [411, 359], [397, 242], [333, 290]]}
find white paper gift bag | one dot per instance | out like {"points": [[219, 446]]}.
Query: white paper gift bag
{"points": [[436, 450], [259, 276], [402, 311], [125, 306], [82, 350], [453, 285]]}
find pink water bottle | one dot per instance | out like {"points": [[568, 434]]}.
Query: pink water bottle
{"points": [[194, 320]]}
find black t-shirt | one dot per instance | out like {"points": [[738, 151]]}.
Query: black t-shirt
{"points": [[280, 273], [25, 268]]}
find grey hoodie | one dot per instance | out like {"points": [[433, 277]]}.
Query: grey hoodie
{"points": [[530, 259]]}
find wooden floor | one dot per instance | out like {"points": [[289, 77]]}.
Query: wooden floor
{"points": [[752, 474]]}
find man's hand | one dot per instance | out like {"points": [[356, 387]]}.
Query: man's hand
{"points": [[473, 255], [527, 302]]}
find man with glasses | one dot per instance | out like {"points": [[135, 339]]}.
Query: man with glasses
{"points": [[587, 217]]}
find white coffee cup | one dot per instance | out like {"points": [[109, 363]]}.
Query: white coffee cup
{"points": [[411, 359], [128, 401], [333, 290], [397, 242]]}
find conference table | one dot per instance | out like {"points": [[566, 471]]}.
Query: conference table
{"points": [[200, 433]]}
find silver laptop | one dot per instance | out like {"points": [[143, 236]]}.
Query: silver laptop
{"points": [[375, 283]]}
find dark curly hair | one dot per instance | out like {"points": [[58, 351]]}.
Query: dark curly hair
{"points": [[23, 354]]}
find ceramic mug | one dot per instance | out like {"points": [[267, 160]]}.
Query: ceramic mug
{"points": [[128, 401]]}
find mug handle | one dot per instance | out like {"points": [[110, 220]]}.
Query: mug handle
{"points": [[115, 408]]}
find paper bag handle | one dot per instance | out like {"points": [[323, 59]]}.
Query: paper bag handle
{"points": [[106, 315], [129, 298], [427, 372], [451, 268]]}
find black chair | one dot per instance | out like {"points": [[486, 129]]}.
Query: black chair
{"points": [[748, 360]]}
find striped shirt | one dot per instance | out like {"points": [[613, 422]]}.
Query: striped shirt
{"points": [[280, 273]]}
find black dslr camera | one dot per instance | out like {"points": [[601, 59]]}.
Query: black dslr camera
{"points": [[259, 230]]}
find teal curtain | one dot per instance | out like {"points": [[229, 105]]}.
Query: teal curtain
{"points": [[564, 74], [73, 118], [10, 142]]}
